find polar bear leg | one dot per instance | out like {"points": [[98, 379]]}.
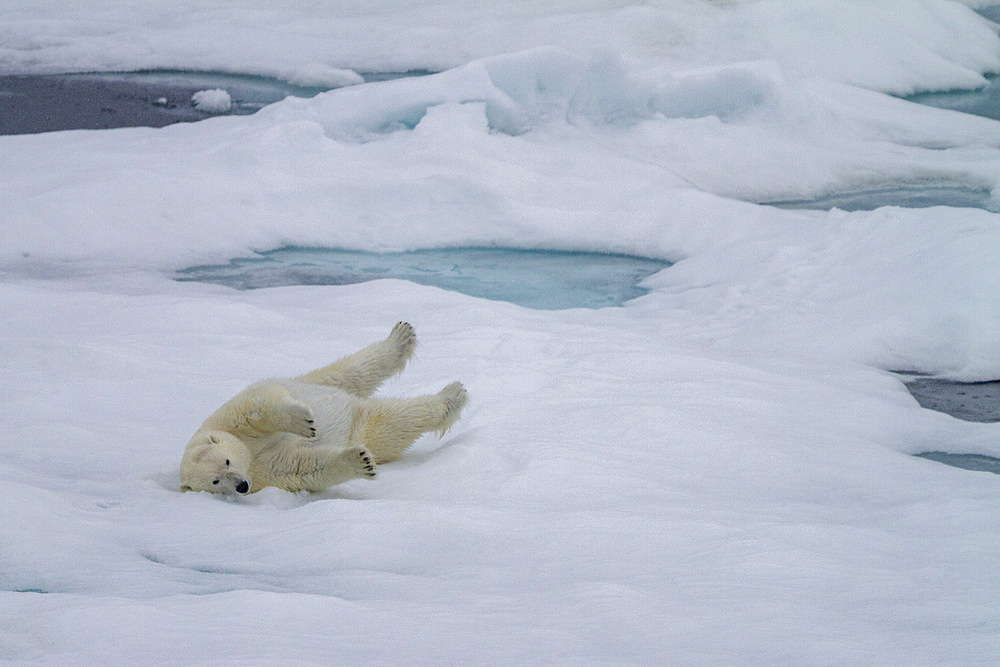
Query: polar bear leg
{"points": [[314, 469], [261, 410], [351, 463], [388, 426], [362, 372]]}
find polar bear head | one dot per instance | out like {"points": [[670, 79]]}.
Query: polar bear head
{"points": [[217, 462]]}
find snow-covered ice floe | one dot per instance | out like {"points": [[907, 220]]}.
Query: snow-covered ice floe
{"points": [[718, 471]]}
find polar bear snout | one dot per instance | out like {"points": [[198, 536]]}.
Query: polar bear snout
{"points": [[234, 483]]}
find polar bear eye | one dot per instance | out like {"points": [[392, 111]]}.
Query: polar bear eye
{"points": [[215, 482], [227, 462]]}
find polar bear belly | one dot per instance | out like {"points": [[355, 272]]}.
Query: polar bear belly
{"points": [[285, 459]]}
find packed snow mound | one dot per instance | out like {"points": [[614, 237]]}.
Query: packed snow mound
{"points": [[897, 46], [725, 92], [216, 100], [524, 90]]}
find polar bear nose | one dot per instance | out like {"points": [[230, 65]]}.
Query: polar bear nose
{"points": [[243, 487]]}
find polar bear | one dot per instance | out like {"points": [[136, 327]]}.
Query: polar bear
{"points": [[319, 429]]}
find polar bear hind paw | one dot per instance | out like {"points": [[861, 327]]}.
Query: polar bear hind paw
{"points": [[365, 464], [404, 338], [455, 397]]}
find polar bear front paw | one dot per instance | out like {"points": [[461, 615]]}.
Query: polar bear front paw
{"points": [[300, 420]]}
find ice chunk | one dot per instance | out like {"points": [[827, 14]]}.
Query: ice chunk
{"points": [[212, 101], [724, 92], [323, 76]]}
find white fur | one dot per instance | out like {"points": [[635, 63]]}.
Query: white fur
{"points": [[316, 430]]}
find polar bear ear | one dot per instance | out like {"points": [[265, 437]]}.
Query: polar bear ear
{"points": [[212, 439], [186, 487]]}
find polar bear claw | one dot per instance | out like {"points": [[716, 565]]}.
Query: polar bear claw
{"points": [[366, 464]]}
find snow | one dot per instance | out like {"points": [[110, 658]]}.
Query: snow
{"points": [[216, 100], [718, 472]]}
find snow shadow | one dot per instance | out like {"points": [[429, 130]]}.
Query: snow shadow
{"points": [[975, 462], [983, 101]]}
